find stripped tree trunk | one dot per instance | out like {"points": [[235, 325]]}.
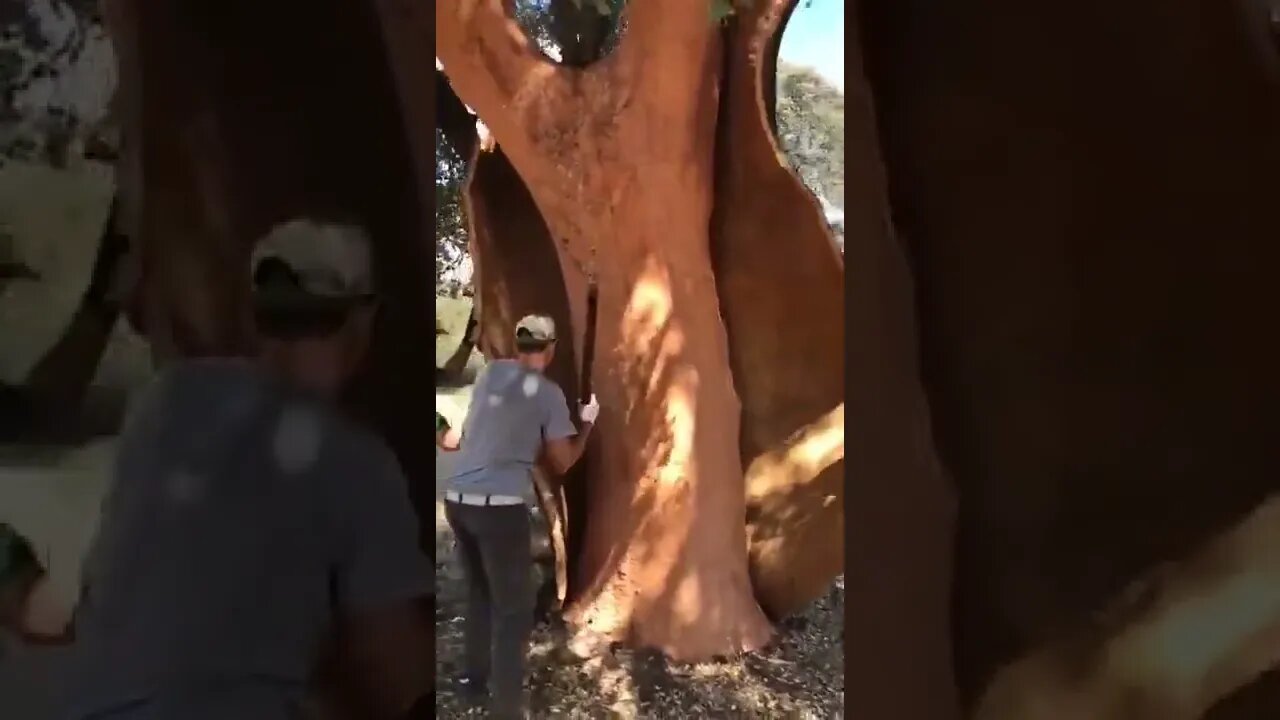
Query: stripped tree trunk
{"points": [[619, 160]]}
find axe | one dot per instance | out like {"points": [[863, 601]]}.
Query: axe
{"points": [[589, 342]]}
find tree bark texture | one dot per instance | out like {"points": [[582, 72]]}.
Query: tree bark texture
{"points": [[1091, 235], [618, 158]]}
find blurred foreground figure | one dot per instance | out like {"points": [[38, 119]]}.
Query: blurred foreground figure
{"points": [[247, 518]]}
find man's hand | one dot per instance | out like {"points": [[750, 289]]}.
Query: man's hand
{"points": [[589, 410], [448, 438], [563, 453], [15, 594], [20, 570]]}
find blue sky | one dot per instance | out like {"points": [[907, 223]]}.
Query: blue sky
{"points": [[815, 37]]}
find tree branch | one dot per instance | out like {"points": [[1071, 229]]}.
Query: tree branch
{"points": [[538, 112], [497, 71], [452, 117], [664, 39]]}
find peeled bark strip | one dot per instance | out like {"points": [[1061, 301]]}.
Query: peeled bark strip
{"points": [[1094, 289], [618, 159], [780, 279]]}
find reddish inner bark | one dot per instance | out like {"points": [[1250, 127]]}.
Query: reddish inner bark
{"points": [[619, 165]]}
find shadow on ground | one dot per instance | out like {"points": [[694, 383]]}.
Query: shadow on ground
{"points": [[800, 676]]}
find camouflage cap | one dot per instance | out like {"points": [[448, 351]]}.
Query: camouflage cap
{"points": [[538, 328], [303, 261]]}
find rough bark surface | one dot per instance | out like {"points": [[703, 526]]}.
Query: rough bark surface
{"points": [[618, 159], [1091, 235], [244, 118], [780, 279]]}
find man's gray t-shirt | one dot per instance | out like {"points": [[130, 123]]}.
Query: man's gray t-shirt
{"points": [[513, 411], [241, 518]]}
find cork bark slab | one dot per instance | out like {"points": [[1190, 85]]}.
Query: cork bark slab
{"points": [[780, 278]]}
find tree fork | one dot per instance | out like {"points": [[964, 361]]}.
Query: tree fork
{"points": [[581, 140]]}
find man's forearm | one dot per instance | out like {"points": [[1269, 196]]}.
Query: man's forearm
{"points": [[580, 443], [39, 620], [48, 621]]}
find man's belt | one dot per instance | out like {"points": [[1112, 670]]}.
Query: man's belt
{"points": [[482, 500]]}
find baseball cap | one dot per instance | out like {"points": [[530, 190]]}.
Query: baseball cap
{"points": [[307, 264], [537, 328]]}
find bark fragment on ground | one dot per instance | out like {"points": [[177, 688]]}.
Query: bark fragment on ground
{"points": [[780, 279], [618, 160]]}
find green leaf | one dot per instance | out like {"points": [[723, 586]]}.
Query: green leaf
{"points": [[721, 10], [603, 7]]}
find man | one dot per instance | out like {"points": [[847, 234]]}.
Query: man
{"points": [[516, 412], [247, 518]]}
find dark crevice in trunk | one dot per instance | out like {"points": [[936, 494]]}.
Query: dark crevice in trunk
{"points": [[580, 31], [452, 117]]}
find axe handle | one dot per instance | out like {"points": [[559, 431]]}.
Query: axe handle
{"points": [[588, 344]]}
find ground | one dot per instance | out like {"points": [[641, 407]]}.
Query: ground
{"points": [[800, 676]]}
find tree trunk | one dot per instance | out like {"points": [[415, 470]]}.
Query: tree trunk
{"points": [[247, 116], [58, 382], [1094, 289], [457, 362], [619, 160], [785, 320]]}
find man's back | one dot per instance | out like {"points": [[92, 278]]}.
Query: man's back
{"points": [[241, 513], [513, 411]]}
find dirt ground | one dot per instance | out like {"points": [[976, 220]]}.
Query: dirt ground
{"points": [[800, 676]]}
